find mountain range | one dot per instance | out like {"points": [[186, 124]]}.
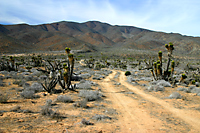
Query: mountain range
{"points": [[90, 36]]}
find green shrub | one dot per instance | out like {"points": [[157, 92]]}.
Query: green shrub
{"points": [[127, 73]]}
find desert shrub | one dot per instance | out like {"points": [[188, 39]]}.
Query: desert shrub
{"points": [[20, 83], [98, 117], [12, 73], [190, 88], [195, 90], [85, 75], [26, 85], [81, 103], [98, 66], [48, 102], [4, 72], [42, 77], [127, 73], [181, 89], [4, 98], [64, 99], [98, 77], [31, 78], [106, 71], [35, 72], [86, 122], [175, 95], [20, 69], [25, 73], [90, 95], [155, 88], [18, 76], [29, 91], [161, 83], [84, 84], [29, 94], [37, 87], [145, 79], [16, 109], [19, 110], [48, 111]]}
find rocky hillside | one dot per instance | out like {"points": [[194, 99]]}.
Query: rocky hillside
{"points": [[89, 36]]}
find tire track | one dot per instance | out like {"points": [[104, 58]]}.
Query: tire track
{"points": [[187, 116], [131, 118]]}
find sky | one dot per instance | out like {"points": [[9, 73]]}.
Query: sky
{"points": [[177, 16]]}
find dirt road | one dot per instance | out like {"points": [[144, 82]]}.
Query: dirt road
{"points": [[142, 112]]}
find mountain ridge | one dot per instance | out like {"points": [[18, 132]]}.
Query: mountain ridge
{"points": [[58, 35]]}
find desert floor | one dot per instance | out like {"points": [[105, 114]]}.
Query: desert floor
{"points": [[126, 108]]}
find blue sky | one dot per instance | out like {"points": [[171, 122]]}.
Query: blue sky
{"points": [[177, 16]]}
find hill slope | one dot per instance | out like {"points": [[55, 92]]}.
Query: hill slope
{"points": [[92, 34]]}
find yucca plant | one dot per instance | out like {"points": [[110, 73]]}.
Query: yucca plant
{"points": [[68, 71], [50, 85], [158, 71]]}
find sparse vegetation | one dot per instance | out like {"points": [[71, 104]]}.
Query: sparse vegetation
{"points": [[64, 99], [85, 96]]}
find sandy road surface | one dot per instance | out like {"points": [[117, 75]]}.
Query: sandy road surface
{"points": [[133, 118]]}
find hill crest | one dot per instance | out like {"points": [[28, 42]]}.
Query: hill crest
{"points": [[58, 35]]}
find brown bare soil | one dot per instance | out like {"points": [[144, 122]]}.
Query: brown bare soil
{"points": [[130, 109]]}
